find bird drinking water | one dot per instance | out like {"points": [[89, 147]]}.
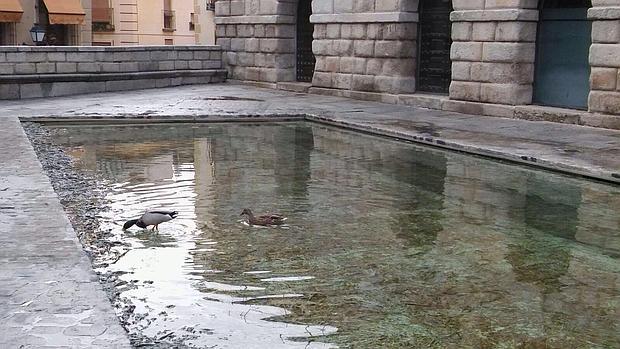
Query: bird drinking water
{"points": [[151, 217]]}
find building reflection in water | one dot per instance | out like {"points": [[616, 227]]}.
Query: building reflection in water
{"points": [[293, 147], [395, 242], [204, 182], [518, 268]]}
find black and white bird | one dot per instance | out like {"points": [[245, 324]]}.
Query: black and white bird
{"points": [[151, 217]]}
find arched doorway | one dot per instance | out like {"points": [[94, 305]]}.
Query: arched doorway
{"points": [[563, 45], [305, 30], [434, 65]]}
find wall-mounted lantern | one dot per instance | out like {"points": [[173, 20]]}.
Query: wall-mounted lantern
{"points": [[37, 33]]}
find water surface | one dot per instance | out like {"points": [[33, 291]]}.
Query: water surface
{"points": [[387, 245]]}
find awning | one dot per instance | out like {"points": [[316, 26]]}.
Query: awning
{"points": [[10, 11], [65, 11]]}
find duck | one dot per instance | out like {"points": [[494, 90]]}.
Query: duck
{"points": [[151, 217], [264, 220]]}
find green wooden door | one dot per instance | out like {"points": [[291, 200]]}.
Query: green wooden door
{"points": [[562, 68]]}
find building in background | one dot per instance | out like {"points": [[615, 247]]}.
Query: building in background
{"points": [[204, 15], [11, 13], [66, 22], [108, 22], [152, 22]]}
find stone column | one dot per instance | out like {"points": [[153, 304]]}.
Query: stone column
{"points": [[365, 45], [493, 51], [605, 57], [258, 38]]}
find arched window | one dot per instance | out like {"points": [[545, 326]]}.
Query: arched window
{"points": [[562, 50]]}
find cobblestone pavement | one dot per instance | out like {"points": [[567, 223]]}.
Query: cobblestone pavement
{"points": [[49, 295]]}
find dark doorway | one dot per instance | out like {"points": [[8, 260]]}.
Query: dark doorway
{"points": [[305, 30], [4, 34], [57, 35], [562, 68], [434, 67]]}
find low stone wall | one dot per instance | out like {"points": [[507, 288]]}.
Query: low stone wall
{"points": [[47, 71]]}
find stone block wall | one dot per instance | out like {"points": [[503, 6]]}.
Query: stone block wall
{"points": [[366, 45], [257, 51], [493, 51], [45, 71], [368, 49], [605, 57], [366, 57], [257, 38]]}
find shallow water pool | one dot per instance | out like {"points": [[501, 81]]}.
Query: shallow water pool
{"points": [[386, 245]]}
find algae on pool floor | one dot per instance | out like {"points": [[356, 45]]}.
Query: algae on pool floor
{"points": [[387, 244]]}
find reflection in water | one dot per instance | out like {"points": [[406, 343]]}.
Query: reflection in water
{"points": [[549, 208], [292, 163], [388, 245]]}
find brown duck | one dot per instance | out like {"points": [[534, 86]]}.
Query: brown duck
{"points": [[265, 220]]}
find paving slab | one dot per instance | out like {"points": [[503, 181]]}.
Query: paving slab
{"points": [[49, 294], [580, 150]]}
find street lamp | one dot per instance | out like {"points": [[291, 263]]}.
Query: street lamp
{"points": [[37, 33]]}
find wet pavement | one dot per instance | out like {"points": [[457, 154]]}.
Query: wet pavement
{"points": [[574, 149], [50, 295]]}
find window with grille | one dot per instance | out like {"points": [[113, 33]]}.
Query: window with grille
{"points": [[168, 14]]}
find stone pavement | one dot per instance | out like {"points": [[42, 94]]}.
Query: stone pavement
{"points": [[574, 149], [49, 295]]}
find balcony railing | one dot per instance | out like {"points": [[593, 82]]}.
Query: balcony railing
{"points": [[169, 20]]}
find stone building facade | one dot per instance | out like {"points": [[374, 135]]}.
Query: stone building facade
{"points": [[66, 22], [511, 58]]}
